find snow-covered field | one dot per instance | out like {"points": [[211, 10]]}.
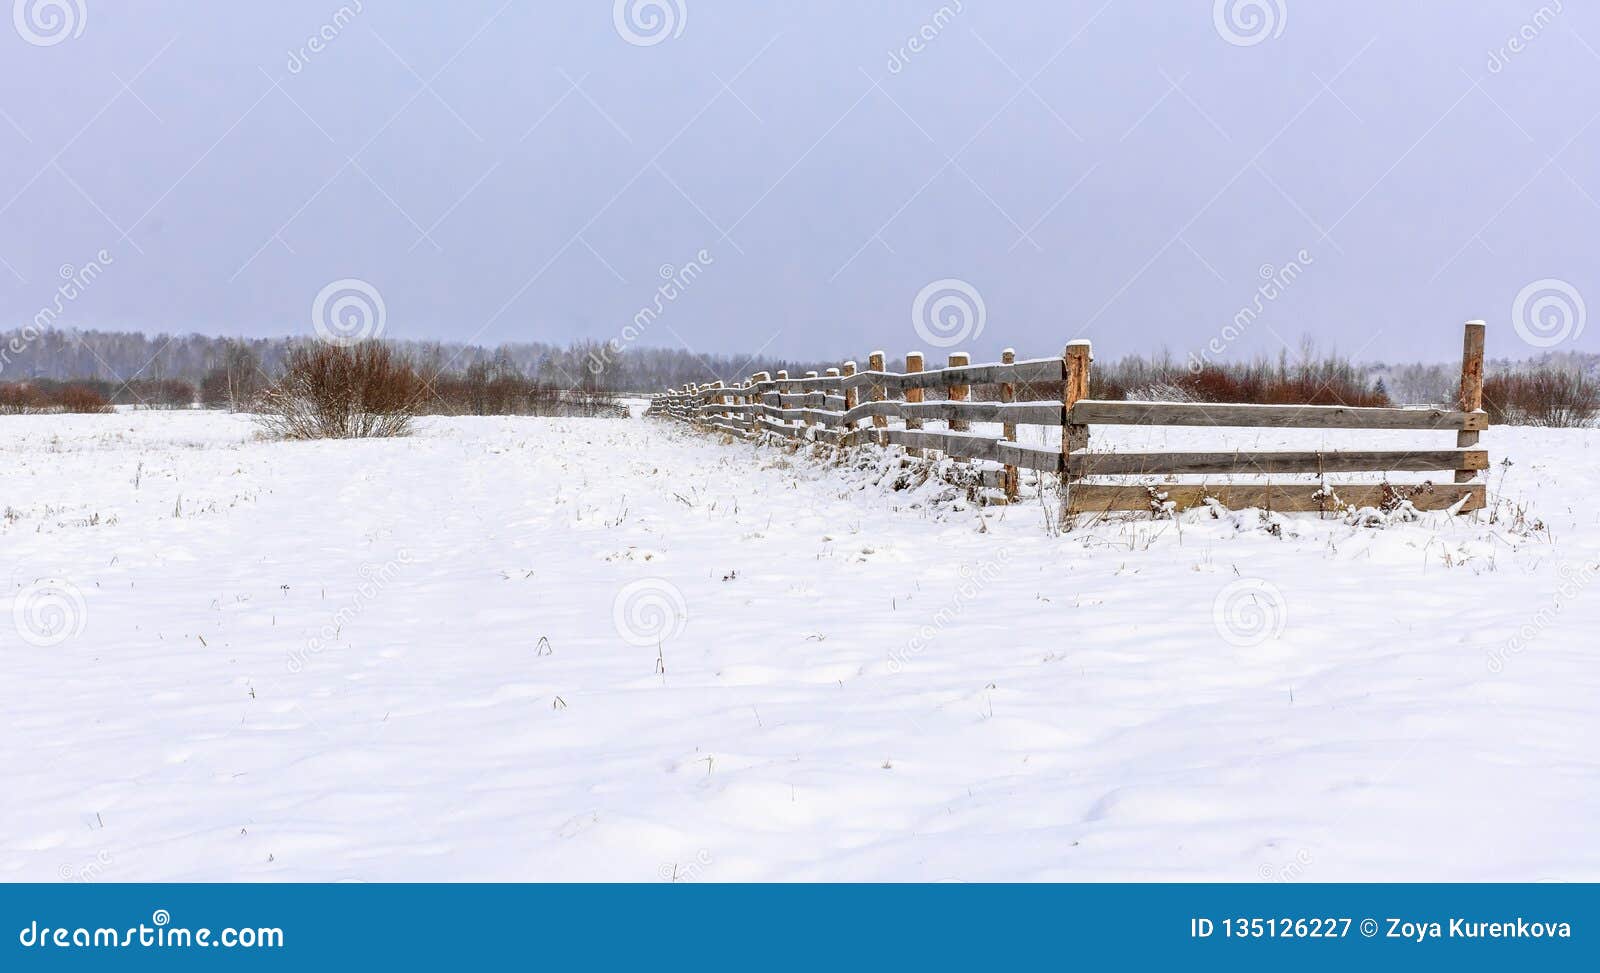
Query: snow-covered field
{"points": [[538, 649]]}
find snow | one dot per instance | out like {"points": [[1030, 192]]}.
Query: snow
{"points": [[585, 649]]}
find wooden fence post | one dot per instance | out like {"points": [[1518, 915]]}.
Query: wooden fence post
{"points": [[913, 366], [1008, 430], [782, 379], [831, 373], [879, 423], [959, 393], [1075, 386], [1471, 388], [759, 418], [851, 397], [805, 398]]}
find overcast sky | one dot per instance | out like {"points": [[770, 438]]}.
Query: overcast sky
{"points": [[1131, 172]]}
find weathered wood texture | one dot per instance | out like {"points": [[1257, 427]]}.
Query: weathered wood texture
{"points": [[1292, 497], [1250, 462], [1471, 398], [1099, 412], [913, 397], [1010, 481]]}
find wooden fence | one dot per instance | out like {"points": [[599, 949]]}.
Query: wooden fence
{"points": [[847, 407]]}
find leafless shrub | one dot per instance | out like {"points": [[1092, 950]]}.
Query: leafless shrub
{"points": [[19, 399], [1541, 396], [33, 398], [81, 398], [329, 391], [1313, 380]]}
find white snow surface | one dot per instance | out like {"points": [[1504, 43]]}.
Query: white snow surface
{"points": [[546, 649]]}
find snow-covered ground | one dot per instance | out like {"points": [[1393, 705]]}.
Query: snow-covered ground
{"points": [[537, 649]]}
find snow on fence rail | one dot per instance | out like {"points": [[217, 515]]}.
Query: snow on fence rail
{"points": [[832, 408]]}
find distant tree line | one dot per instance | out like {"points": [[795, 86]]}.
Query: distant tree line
{"points": [[43, 371], [220, 369]]}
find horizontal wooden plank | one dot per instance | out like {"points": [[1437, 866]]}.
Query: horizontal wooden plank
{"points": [[973, 446], [1033, 370], [807, 384], [804, 415], [963, 445], [1102, 412], [1288, 498], [1253, 462], [889, 408], [1028, 457], [1020, 413], [782, 429], [819, 400]]}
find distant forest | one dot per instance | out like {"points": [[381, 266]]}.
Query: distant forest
{"points": [[124, 356]]}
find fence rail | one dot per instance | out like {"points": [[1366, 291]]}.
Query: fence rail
{"points": [[849, 408]]}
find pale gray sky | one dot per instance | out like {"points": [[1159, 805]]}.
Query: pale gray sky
{"points": [[1125, 171]]}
